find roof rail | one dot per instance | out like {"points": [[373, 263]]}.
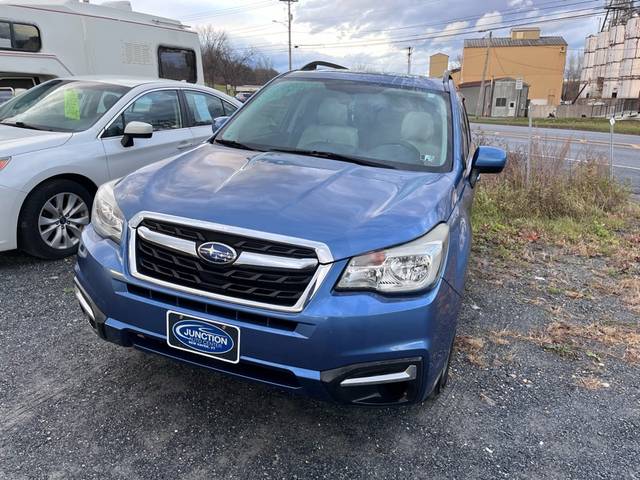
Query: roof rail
{"points": [[320, 63]]}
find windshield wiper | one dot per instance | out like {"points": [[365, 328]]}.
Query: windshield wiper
{"points": [[25, 125], [234, 144], [336, 156]]}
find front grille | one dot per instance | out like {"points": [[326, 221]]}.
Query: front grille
{"points": [[238, 242], [278, 287]]}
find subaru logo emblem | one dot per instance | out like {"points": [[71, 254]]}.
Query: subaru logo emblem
{"points": [[219, 253]]}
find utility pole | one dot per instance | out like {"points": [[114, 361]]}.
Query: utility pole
{"points": [[481, 101], [289, 18], [409, 53]]}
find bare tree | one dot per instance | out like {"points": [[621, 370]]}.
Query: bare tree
{"points": [[222, 63], [572, 77]]}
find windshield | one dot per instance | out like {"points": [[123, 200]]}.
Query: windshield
{"points": [[61, 106], [381, 123]]}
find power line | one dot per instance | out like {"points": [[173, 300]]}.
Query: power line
{"points": [[459, 31]]}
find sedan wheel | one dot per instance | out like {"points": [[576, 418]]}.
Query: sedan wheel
{"points": [[52, 218], [62, 219]]}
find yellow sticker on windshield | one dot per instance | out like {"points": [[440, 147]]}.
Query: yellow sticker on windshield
{"points": [[71, 105]]}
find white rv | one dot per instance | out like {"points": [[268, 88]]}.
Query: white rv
{"points": [[44, 39]]}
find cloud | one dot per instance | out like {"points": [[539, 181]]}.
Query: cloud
{"points": [[490, 19], [520, 3]]}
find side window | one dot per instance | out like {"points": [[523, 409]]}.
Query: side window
{"points": [[116, 129], [161, 109], [26, 37], [501, 102], [5, 35], [204, 108], [229, 108], [19, 36], [177, 64]]}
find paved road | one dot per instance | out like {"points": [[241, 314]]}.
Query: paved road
{"points": [[626, 147]]}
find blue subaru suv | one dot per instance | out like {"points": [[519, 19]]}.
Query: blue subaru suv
{"points": [[318, 242]]}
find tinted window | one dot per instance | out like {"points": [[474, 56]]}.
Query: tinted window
{"points": [[5, 35], [501, 102], [229, 108], [204, 108], [386, 122], [161, 109], [26, 37], [177, 64]]}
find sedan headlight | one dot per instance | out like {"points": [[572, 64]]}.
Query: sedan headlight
{"points": [[106, 217], [406, 268]]}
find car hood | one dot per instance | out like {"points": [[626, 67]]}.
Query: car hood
{"points": [[352, 209], [15, 140]]}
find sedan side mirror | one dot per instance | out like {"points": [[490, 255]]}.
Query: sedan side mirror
{"points": [[218, 123], [136, 130]]}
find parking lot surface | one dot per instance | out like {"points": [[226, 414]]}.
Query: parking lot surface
{"points": [[75, 407]]}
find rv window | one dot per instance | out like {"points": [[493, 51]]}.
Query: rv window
{"points": [[177, 64], [5, 35], [26, 37]]}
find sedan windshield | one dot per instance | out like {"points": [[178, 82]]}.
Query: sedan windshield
{"points": [[61, 106], [381, 124]]}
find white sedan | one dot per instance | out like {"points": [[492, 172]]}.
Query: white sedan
{"points": [[62, 139]]}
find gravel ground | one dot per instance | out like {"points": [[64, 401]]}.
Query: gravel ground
{"points": [[72, 406]]}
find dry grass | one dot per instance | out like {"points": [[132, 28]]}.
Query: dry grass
{"points": [[472, 348], [595, 340], [591, 383], [573, 204]]}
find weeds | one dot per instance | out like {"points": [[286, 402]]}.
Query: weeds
{"points": [[574, 204]]}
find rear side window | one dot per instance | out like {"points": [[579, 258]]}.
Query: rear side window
{"points": [[229, 108], [203, 108], [177, 64], [19, 36]]}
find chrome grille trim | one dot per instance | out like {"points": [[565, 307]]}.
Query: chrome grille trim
{"points": [[323, 253]]}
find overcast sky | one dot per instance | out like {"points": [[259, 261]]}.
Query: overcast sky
{"points": [[376, 33]]}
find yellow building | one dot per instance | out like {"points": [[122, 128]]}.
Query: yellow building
{"points": [[538, 61]]}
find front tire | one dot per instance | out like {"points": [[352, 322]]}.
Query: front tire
{"points": [[52, 219]]}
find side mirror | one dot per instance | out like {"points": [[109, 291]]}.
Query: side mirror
{"points": [[136, 130], [489, 160], [218, 123]]}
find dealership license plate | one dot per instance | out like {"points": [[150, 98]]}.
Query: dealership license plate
{"points": [[203, 337]]}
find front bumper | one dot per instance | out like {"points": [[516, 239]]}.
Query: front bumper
{"points": [[337, 337]]}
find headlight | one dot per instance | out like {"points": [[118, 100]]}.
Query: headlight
{"points": [[407, 268], [106, 217]]}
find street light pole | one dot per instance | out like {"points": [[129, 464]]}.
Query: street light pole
{"points": [[289, 18], [409, 53]]}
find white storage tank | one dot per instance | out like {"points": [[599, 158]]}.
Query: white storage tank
{"points": [[631, 48], [617, 34], [612, 70], [632, 29]]}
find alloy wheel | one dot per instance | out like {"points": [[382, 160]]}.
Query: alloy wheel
{"points": [[62, 219]]}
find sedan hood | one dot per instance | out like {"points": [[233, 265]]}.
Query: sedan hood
{"points": [[353, 209], [16, 141]]}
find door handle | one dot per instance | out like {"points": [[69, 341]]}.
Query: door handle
{"points": [[184, 146]]}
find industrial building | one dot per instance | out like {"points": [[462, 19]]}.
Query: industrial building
{"points": [[502, 97], [611, 66], [537, 60]]}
